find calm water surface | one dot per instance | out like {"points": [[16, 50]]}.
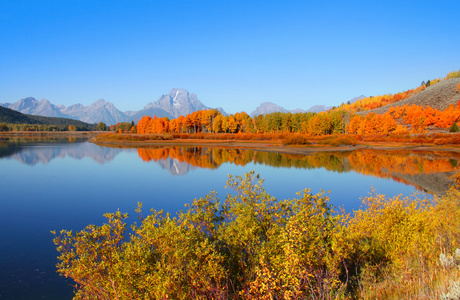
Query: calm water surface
{"points": [[54, 185]]}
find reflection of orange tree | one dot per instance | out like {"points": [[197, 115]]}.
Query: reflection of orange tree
{"points": [[379, 163], [383, 164], [195, 156], [203, 157]]}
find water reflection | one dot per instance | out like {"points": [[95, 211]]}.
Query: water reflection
{"points": [[31, 151], [429, 171], [85, 181]]}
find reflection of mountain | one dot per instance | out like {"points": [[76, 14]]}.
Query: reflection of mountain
{"points": [[175, 167], [428, 171], [203, 157], [45, 152]]}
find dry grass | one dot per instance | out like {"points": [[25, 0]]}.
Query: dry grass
{"points": [[114, 137], [296, 140], [231, 136]]}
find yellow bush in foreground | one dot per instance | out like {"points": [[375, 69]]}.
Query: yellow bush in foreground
{"points": [[253, 246]]}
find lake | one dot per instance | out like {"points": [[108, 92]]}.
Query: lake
{"points": [[54, 184]]}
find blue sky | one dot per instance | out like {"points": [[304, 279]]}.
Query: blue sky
{"points": [[233, 54]]}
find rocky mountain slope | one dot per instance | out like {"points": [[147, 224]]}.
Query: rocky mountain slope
{"points": [[439, 96], [172, 105], [267, 108]]}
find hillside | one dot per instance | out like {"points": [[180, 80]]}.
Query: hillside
{"points": [[59, 121], [439, 96], [14, 117]]}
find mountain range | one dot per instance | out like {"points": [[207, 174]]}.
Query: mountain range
{"points": [[172, 105], [177, 102], [270, 107]]}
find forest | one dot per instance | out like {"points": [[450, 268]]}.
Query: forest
{"points": [[348, 118]]}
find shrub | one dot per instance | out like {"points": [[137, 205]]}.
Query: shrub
{"points": [[296, 139], [253, 246], [454, 127], [343, 141], [109, 137], [339, 140]]}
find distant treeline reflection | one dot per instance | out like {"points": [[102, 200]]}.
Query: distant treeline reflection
{"points": [[379, 163]]}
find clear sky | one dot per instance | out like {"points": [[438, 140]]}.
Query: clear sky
{"points": [[233, 54]]}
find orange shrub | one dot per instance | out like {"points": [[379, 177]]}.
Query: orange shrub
{"points": [[342, 141], [296, 139]]}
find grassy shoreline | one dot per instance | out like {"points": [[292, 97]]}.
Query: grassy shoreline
{"points": [[275, 145], [130, 140]]}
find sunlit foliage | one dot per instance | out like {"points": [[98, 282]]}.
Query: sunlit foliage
{"points": [[124, 127], [254, 246], [453, 74]]}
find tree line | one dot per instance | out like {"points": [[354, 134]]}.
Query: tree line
{"points": [[342, 119]]}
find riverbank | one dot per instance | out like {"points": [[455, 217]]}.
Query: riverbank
{"points": [[268, 145], [275, 145]]}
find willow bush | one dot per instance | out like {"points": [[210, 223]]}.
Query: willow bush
{"points": [[254, 246]]}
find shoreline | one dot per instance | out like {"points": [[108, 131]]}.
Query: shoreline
{"points": [[272, 146], [260, 145]]}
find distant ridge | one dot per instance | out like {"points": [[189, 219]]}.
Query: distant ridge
{"points": [[318, 108], [353, 100], [267, 108], [270, 107]]}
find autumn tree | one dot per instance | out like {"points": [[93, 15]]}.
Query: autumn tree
{"points": [[247, 123], [101, 126], [217, 124], [232, 124], [454, 128], [4, 127], [180, 127], [142, 125], [453, 74], [225, 124]]}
